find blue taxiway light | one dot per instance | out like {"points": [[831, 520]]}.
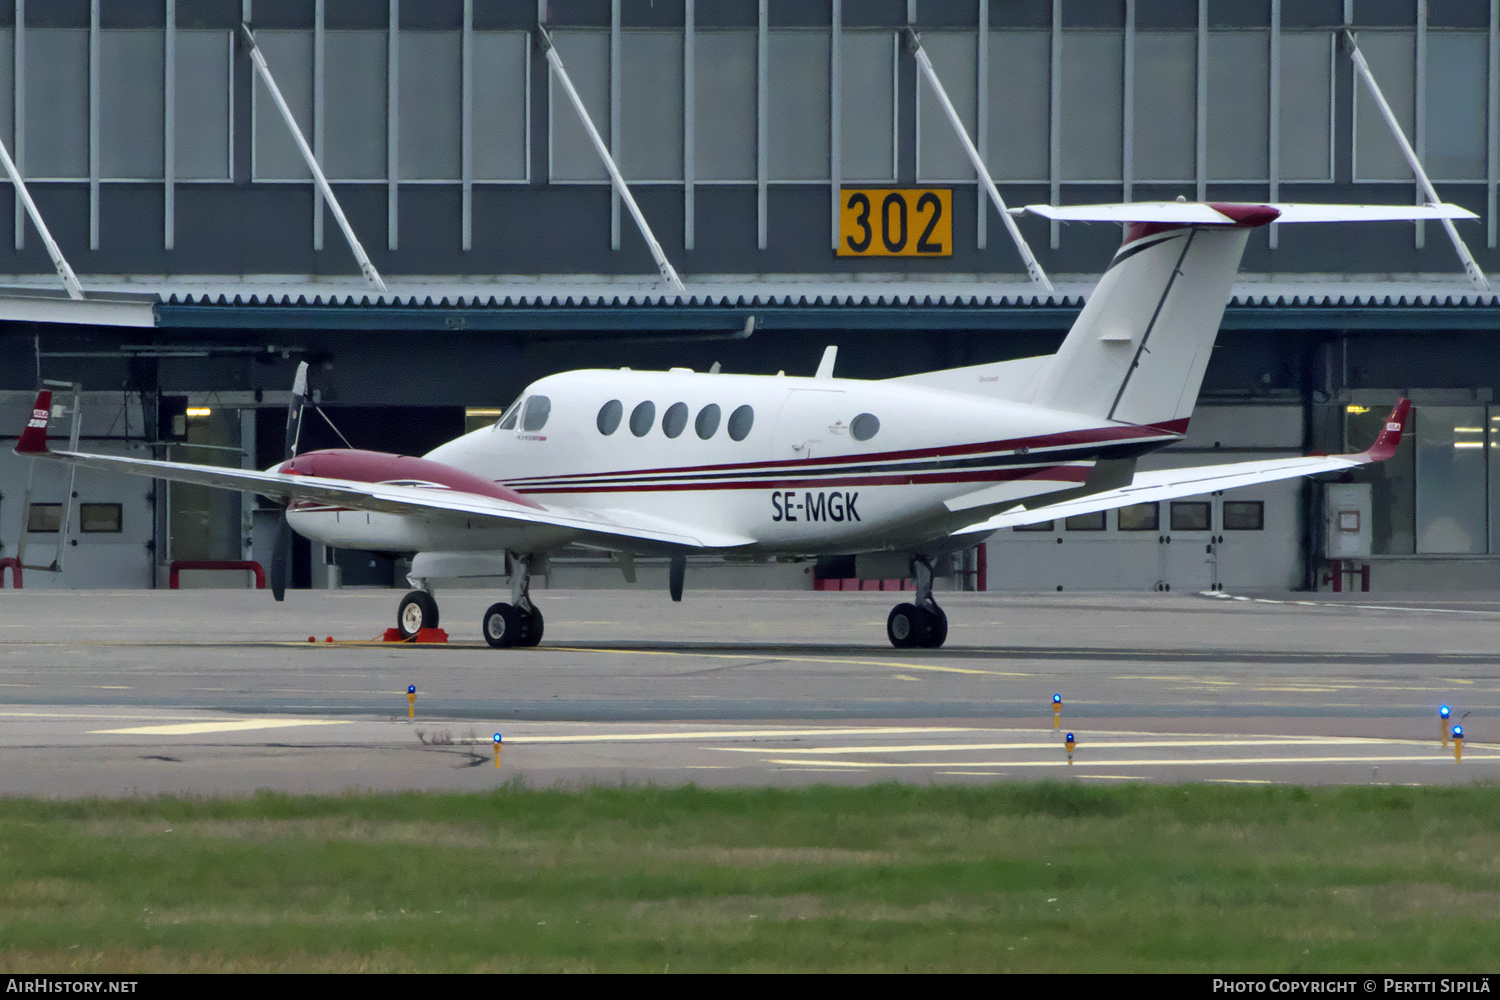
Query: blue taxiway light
{"points": [[1444, 711]]}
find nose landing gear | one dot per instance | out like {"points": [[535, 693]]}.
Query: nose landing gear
{"points": [[922, 624], [418, 610]]}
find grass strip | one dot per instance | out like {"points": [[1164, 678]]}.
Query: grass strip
{"points": [[1022, 877]]}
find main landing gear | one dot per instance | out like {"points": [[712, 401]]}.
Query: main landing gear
{"points": [[922, 624], [518, 623]]}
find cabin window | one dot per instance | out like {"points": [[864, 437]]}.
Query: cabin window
{"points": [[708, 421], [507, 419], [642, 417], [538, 409], [609, 417], [1140, 517], [740, 422], [1191, 515], [865, 426], [674, 421]]}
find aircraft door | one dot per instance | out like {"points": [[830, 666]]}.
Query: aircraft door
{"points": [[810, 423]]}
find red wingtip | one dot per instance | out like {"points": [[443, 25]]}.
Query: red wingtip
{"points": [[1390, 435], [34, 438]]}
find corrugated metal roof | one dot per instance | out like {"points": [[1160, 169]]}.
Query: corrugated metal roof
{"points": [[1277, 293]]}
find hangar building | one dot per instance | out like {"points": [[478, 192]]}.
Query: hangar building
{"points": [[212, 264]]}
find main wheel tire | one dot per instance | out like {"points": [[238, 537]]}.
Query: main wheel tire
{"points": [[417, 610], [906, 626], [938, 635], [503, 626], [532, 633]]}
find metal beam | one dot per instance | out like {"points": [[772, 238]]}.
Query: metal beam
{"points": [[925, 65], [668, 273], [1476, 276], [64, 271], [365, 267]]}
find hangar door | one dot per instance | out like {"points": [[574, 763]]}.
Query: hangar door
{"points": [[1245, 539]]}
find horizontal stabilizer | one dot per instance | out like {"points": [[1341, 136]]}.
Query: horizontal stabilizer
{"points": [[1241, 214], [1171, 484]]}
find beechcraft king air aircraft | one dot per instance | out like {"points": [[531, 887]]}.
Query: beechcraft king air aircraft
{"points": [[907, 469]]}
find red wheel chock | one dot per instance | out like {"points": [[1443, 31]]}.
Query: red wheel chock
{"points": [[423, 635]]}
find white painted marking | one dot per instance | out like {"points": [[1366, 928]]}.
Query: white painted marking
{"points": [[1185, 743], [735, 734], [224, 726]]}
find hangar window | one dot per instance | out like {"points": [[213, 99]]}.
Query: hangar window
{"points": [[1085, 522], [1039, 526], [864, 427], [1244, 515], [708, 421], [1140, 517], [99, 518], [538, 409], [740, 422], [642, 417], [674, 421], [724, 86], [1191, 515], [507, 419], [44, 518], [609, 417]]}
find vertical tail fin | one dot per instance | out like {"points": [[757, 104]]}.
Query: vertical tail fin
{"points": [[33, 439], [1138, 350]]}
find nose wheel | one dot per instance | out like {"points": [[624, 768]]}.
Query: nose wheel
{"points": [[417, 610]]}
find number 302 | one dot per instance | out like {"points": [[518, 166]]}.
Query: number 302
{"points": [[896, 223]]}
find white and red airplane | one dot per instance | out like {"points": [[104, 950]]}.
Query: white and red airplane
{"points": [[903, 469]]}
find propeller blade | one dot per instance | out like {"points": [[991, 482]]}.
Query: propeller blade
{"points": [[281, 558], [677, 569], [294, 410]]}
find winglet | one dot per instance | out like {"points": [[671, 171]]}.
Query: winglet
{"points": [[1390, 435], [34, 438]]}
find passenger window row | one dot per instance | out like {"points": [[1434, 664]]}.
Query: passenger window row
{"points": [[675, 419]]}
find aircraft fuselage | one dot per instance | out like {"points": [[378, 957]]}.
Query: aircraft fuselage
{"points": [[793, 465]]}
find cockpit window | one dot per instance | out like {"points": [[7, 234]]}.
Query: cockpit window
{"points": [[538, 409], [507, 419]]}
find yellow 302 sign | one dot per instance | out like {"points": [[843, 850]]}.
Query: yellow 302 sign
{"points": [[895, 222]]}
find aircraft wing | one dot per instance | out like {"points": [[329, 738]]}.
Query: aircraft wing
{"points": [[622, 529], [1200, 213], [1170, 484]]}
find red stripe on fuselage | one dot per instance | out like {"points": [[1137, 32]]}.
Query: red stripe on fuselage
{"points": [[1051, 473], [1101, 435]]}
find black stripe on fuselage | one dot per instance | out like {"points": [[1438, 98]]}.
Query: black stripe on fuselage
{"points": [[1049, 456]]}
